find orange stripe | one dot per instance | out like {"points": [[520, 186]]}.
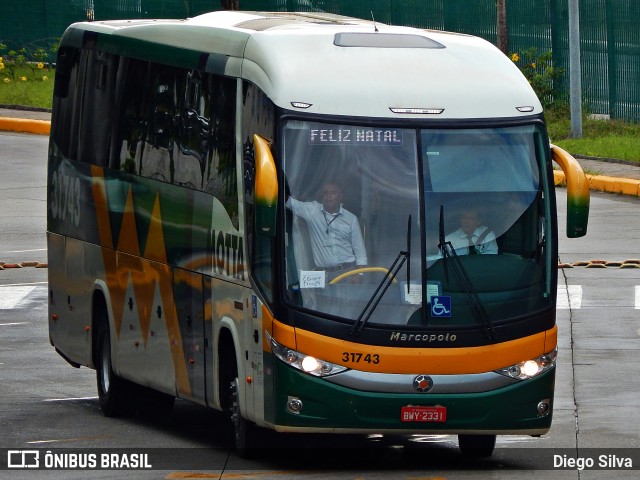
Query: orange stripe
{"points": [[109, 258], [155, 248], [128, 239], [551, 341], [435, 361]]}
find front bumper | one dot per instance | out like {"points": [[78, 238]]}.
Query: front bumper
{"points": [[327, 407]]}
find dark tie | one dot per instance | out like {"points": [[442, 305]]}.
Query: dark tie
{"points": [[471, 245]]}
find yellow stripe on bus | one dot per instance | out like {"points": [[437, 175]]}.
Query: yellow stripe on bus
{"points": [[404, 360]]}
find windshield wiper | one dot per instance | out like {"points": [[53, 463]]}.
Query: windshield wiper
{"points": [[384, 284], [459, 271], [408, 256]]}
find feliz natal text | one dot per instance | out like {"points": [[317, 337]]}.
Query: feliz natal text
{"points": [[355, 136]]}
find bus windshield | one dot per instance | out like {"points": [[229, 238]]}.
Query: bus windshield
{"points": [[453, 218]]}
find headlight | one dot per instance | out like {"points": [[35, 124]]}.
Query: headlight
{"points": [[531, 368], [306, 363]]}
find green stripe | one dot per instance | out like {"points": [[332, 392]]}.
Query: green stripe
{"points": [[331, 406]]}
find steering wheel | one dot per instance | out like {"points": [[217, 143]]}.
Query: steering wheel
{"points": [[357, 271]]}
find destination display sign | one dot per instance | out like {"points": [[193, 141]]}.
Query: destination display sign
{"points": [[341, 135]]}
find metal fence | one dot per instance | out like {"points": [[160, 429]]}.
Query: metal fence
{"points": [[609, 29]]}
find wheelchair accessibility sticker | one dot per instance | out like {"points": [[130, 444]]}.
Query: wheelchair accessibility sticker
{"points": [[440, 306]]}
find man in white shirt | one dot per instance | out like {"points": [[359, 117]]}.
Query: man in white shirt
{"points": [[472, 237], [335, 234]]}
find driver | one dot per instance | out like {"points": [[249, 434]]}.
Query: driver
{"points": [[336, 239], [472, 237]]}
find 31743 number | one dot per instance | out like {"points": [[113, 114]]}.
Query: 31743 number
{"points": [[354, 357]]}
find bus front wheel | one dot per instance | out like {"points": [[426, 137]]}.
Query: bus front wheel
{"points": [[477, 446], [243, 433]]}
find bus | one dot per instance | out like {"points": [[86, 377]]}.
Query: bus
{"points": [[182, 155]]}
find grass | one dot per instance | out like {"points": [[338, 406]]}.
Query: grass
{"points": [[27, 87], [601, 138]]}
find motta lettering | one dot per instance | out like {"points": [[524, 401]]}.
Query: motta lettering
{"points": [[422, 337], [228, 253]]}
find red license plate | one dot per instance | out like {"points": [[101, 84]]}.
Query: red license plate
{"points": [[412, 413]]}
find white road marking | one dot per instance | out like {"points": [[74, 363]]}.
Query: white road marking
{"points": [[12, 295], [25, 251], [569, 297], [12, 323], [69, 399], [637, 302]]}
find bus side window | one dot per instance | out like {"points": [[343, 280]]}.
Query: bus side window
{"points": [[257, 118], [220, 177], [192, 130], [157, 155], [132, 94], [98, 102], [64, 128]]}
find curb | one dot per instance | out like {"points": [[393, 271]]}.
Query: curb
{"points": [[604, 183], [25, 125], [5, 266], [629, 263]]}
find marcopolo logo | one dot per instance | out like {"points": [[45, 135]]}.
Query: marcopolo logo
{"points": [[422, 337]]}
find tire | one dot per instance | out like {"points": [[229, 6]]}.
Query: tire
{"points": [[477, 446], [114, 393], [240, 426], [246, 436]]}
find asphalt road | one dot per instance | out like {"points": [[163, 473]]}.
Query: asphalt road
{"points": [[45, 404]]}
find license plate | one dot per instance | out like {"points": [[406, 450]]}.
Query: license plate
{"points": [[412, 413]]}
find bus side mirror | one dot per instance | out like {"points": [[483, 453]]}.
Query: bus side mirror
{"points": [[578, 195], [266, 188]]}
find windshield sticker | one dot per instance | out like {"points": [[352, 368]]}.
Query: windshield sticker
{"points": [[312, 278], [355, 136], [433, 290], [413, 295], [441, 306]]}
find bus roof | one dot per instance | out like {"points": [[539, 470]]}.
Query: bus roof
{"points": [[329, 64]]}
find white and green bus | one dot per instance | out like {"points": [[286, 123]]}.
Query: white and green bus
{"points": [[183, 154]]}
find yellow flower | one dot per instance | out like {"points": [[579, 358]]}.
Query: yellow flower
{"points": [[1, 66], [40, 65], [45, 78], [515, 57], [533, 65], [6, 80], [23, 79]]}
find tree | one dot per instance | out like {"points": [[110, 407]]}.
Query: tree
{"points": [[230, 4], [502, 29]]}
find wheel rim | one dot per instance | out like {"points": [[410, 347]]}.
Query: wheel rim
{"points": [[105, 366], [234, 407]]}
